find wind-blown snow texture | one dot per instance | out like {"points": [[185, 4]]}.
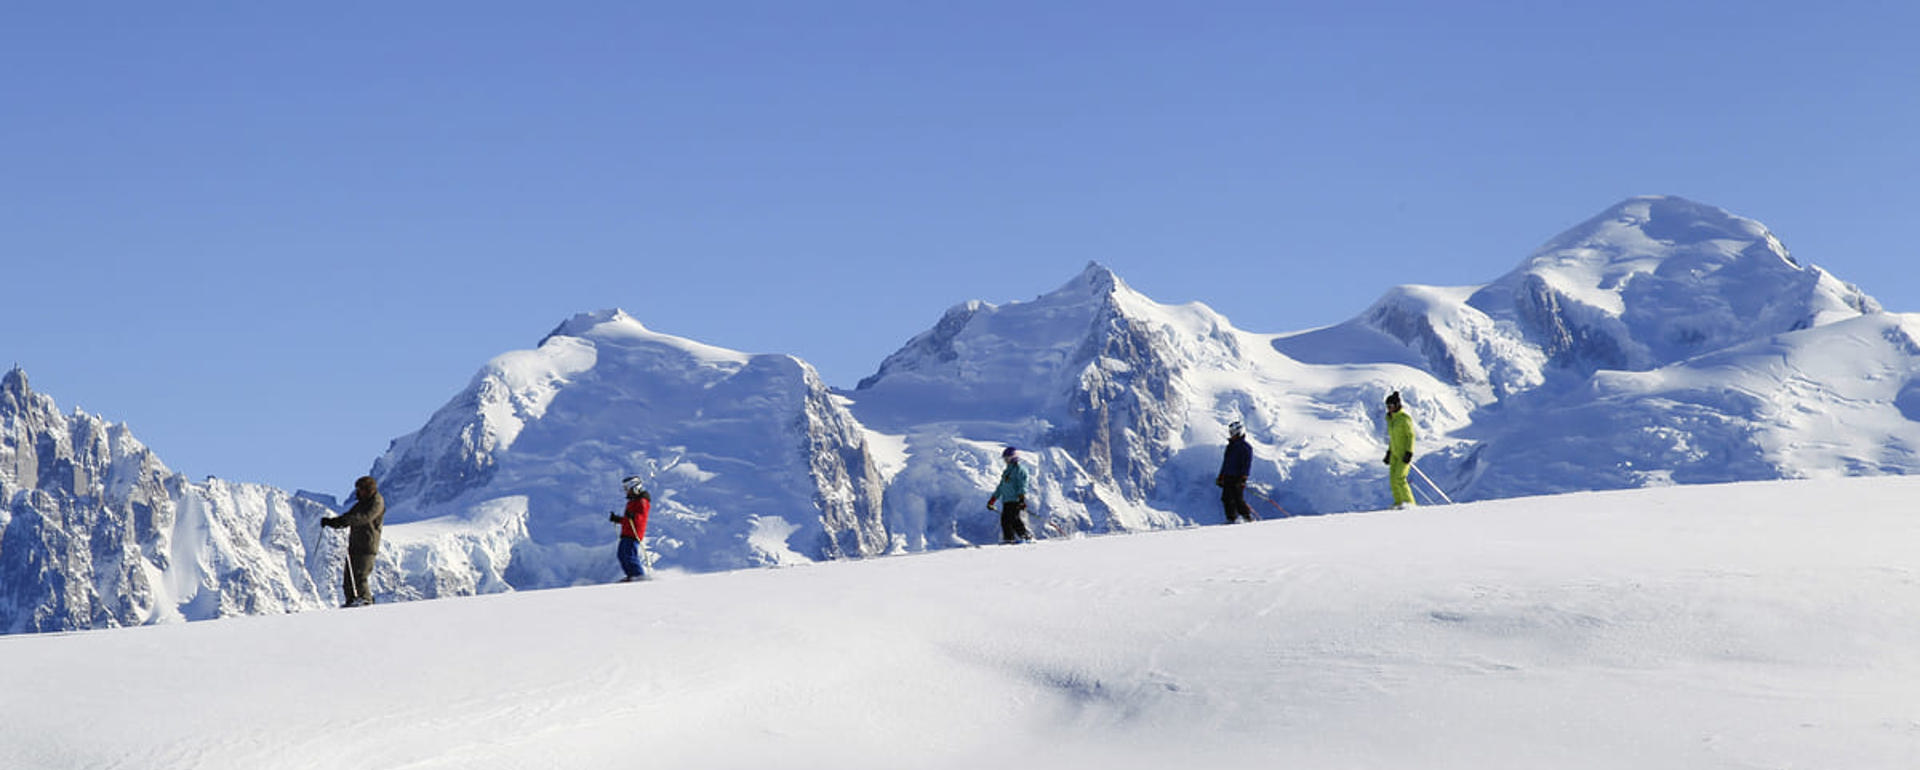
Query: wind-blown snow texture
{"points": [[1661, 342], [1692, 628]]}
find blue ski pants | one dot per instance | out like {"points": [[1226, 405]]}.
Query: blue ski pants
{"points": [[630, 560]]}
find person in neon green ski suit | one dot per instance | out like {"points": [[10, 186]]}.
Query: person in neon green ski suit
{"points": [[1399, 451]]}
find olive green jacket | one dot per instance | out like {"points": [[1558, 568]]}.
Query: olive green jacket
{"points": [[365, 519]]}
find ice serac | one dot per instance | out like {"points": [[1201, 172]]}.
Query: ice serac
{"points": [[750, 459], [96, 532]]}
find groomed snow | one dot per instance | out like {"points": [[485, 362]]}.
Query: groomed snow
{"points": [[1770, 625]]}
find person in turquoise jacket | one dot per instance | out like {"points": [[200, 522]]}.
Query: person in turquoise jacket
{"points": [[1012, 496], [1399, 451]]}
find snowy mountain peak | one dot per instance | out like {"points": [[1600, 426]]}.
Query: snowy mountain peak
{"points": [[615, 328], [96, 532], [1662, 341], [14, 384], [1025, 345], [1100, 288], [583, 324], [1666, 218], [1652, 281], [1659, 279], [750, 459], [1669, 237], [1096, 280]]}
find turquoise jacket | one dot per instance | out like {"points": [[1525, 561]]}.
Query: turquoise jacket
{"points": [[1013, 483]]}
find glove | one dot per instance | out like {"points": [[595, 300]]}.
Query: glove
{"points": [[613, 517], [331, 522], [990, 502], [1388, 459], [1407, 457], [1220, 480]]}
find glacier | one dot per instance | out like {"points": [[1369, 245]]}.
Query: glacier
{"points": [[1662, 342]]}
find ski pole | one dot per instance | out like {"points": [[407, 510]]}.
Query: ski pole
{"points": [[1436, 487], [1420, 496], [1276, 506]]}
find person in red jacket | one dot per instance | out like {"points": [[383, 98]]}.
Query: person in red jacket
{"points": [[633, 528]]}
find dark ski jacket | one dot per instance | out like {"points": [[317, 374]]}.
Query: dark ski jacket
{"points": [[364, 519], [1238, 463], [633, 525]]}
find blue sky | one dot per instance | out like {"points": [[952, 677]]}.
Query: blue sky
{"points": [[271, 239]]}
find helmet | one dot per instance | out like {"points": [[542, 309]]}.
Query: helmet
{"points": [[1009, 454], [1236, 429], [632, 485]]}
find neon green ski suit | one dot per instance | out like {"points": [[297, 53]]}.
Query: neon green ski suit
{"points": [[1399, 455]]}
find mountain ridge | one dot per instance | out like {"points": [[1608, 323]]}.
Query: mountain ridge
{"points": [[1662, 341]]}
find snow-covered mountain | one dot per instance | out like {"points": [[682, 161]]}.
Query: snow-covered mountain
{"points": [[95, 532], [1651, 282], [1661, 342], [750, 459], [1121, 403]]}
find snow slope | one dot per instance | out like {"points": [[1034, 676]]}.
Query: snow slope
{"points": [[1824, 401], [1738, 626], [1664, 341]]}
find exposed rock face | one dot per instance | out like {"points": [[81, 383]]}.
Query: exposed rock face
{"points": [[1661, 342], [97, 533]]}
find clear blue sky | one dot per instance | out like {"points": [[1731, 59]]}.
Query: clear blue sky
{"points": [[272, 237]]}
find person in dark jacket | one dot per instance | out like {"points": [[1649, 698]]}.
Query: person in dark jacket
{"points": [[362, 523], [1234, 469], [633, 528], [1012, 497]]}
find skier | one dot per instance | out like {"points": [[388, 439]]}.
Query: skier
{"points": [[1399, 451], [1012, 496], [363, 540], [1234, 469], [633, 528]]}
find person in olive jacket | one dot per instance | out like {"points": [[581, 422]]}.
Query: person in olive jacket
{"points": [[362, 523], [1235, 466]]}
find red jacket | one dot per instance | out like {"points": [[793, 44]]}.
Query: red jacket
{"points": [[634, 524]]}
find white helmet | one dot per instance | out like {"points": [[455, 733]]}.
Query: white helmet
{"points": [[632, 485], [1236, 429]]}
